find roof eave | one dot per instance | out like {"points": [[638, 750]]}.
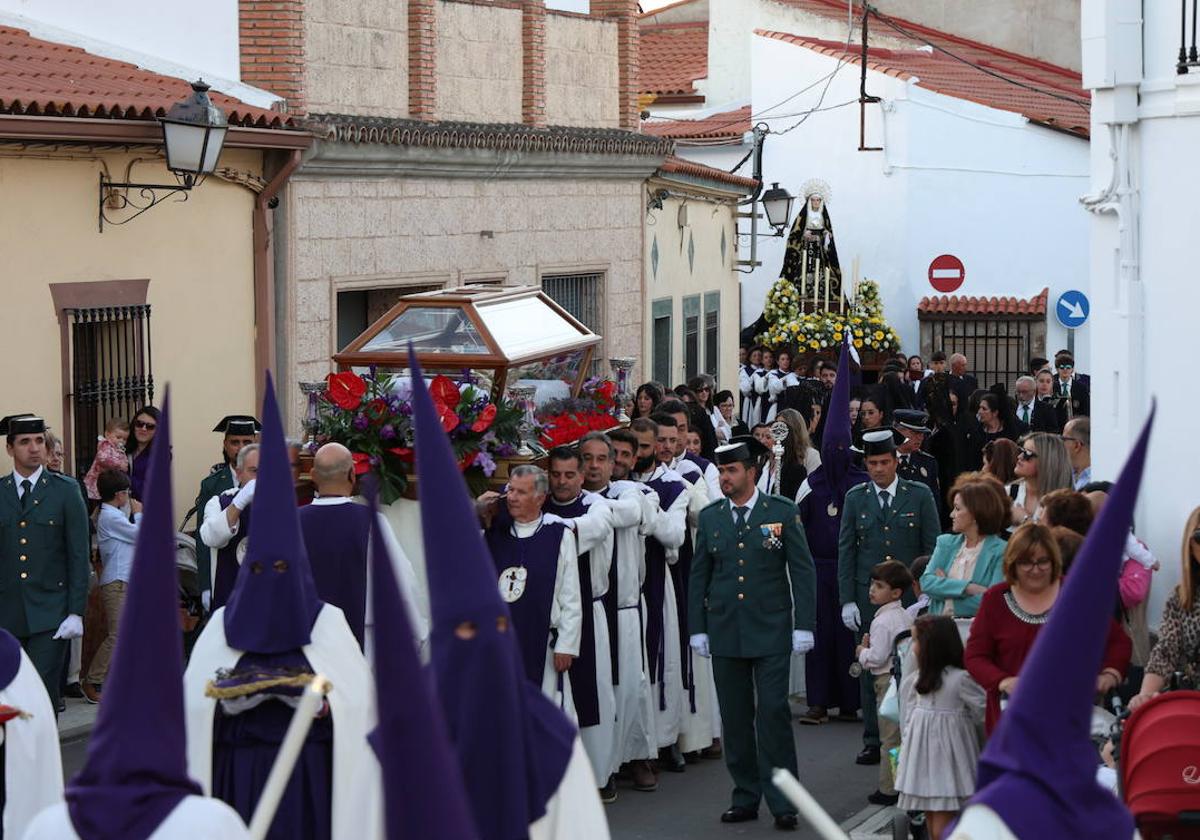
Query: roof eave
{"points": [[136, 132]]}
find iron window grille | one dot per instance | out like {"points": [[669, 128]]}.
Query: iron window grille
{"points": [[111, 372], [582, 295], [998, 348]]}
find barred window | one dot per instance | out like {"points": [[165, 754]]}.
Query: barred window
{"points": [[111, 373], [582, 295]]}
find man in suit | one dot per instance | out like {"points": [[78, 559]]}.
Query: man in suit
{"points": [[752, 605], [1072, 386], [1037, 415], [911, 427], [887, 518], [239, 430], [964, 384], [44, 553]]}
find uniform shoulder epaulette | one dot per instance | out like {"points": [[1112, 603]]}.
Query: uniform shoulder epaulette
{"points": [[784, 499], [712, 505], [859, 488], [62, 476], [216, 468]]}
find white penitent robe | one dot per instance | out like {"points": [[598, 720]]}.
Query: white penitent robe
{"points": [[634, 511], [566, 611], [696, 727], [594, 535], [332, 652], [575, 811], [194, 818], [33, 777]]}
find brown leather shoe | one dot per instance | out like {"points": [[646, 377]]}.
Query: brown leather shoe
{"points": [[713, 751], [814, 716], [91, 692], [643, 777]]}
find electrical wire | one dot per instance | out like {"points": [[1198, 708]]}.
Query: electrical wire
{"points": [[1085, 106]]}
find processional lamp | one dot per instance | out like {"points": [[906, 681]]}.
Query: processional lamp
{"points": [[193, 135]]}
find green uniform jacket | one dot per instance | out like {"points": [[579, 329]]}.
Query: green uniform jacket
{"points": [[739, 592], [44, 547], [218, 481], [867, 537]]}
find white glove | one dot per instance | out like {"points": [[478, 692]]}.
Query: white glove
{"points": [[245, 495], [699, 643], [71, 628], [206, 599], [851, 617], [802, 641]]}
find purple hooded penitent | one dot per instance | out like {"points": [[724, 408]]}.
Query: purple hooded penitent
{"points": [[513, 744], [136, 770], [1038, 771], [424, 798], [274, 603], [838, 472]]}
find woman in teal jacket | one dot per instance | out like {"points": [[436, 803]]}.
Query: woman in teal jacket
{"points": [[965, 563]]}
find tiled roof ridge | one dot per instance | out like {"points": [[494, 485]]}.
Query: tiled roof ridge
{"points": [[727, 124], [836, 48], [984, 305], [505, 136], [665, 8], [42, 78], [684, 166], [686, 24]]}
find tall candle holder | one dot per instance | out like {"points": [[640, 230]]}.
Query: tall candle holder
{"points": [[779, 433], [621, 366], [523, 395], [312, 392]]}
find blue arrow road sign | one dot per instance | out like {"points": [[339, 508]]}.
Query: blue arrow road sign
{"points": [[1072, 309]]}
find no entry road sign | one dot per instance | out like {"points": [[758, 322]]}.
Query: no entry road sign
{"points": [[946, 273]]}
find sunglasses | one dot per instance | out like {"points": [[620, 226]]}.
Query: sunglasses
{"points": [[1196, 536], [1030, 563], [1026, 455], [142, 424], [1066, 367]]}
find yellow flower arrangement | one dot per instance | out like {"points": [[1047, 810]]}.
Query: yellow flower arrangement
{"points": [[827, 330]]}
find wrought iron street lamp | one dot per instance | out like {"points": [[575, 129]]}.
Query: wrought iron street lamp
{"points": [[193, 135], [777, 202]]}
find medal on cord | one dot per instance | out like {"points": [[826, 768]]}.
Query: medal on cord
{"points": [[512, 579]]}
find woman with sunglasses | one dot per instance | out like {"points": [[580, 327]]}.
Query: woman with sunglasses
{"points": [[1043, 466], [137, 447], [1012, 613], [704, 386], [1178, 646]]}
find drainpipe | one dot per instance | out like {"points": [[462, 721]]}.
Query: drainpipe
{"points": [[264, 273]]}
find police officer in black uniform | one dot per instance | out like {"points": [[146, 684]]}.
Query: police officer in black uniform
{"points": [[911, 427]]}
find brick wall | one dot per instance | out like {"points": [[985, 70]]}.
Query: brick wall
{"points": [[357, 57], [582, 77], [533, 43], [271, 45], [625, 12], [478, 63], [422, 59]]}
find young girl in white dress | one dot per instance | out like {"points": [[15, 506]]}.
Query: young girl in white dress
{"points": [[941, 725]]}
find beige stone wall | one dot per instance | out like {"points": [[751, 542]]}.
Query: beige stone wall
{"points": [[581, 72], [479, 63], [197, 255], [678, 277], [357, 57], [361, 233]]}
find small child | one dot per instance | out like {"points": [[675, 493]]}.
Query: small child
{"points": [[110, 454], [921, 606], [942, 709], [116, 534], [889, 580]]}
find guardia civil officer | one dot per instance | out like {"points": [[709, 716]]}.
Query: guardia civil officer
{"points": [[239, 430], [886, 518], [43, 552], [752, 593], [912, 427]]}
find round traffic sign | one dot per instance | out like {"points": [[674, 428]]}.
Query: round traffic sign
{"points": [[946, 273]]}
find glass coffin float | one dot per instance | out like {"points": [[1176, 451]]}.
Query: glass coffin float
{"points": [[507, 337]]}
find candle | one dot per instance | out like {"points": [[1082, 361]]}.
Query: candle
{"points": [[827, 288], [285, 759], [808, 807]]}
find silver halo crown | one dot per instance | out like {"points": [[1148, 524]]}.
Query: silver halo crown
{"points": [[815, 186]]}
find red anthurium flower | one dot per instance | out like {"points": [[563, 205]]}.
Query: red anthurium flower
{"points": [[345, 389], [362, 463], [485, 418], [443, 390], [449, 419], [404, 453], [467, 460], [376, 409]]}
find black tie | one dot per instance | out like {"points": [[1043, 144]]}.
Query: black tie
{"points": [[740, 511], [883, 500], [26, 489]]}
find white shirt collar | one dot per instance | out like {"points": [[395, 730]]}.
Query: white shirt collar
{"points": [[749, 505], [32, 479], [332, 500], [891, 488]]}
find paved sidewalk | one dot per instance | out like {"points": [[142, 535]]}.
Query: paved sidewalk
{"points": [[77, 721]]}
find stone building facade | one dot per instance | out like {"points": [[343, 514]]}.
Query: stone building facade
{"points": [[460, 141]]}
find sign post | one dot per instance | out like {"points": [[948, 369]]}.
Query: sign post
{"points": [[1072, 310]]}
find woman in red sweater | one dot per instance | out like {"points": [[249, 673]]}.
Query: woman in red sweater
{"points": [[1011, 614]]}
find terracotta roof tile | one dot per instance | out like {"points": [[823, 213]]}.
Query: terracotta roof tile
{"points": [[950, 305], [680, 166], [44, 78], [729, 125], [674, 56], [1064, 105]]}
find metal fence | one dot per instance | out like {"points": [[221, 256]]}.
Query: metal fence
{"points": [[582, 295], [997, 349], [110, 372]]}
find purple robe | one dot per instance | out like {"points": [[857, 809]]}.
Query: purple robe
{"points": [[582, 673], [336, 537], [655, 588], [530, 613], [227, 562], [138, 472]]}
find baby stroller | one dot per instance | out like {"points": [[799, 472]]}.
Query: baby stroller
{"points": [[1160, 766], [911, 824]]}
